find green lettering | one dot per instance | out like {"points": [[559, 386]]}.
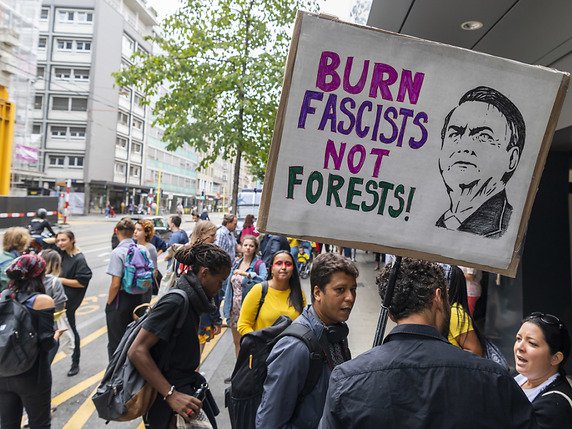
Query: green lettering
{"points": [[293, 172], [399, 189], [385, 187], [335, 183], [373, 192], [312, 196], [353, 192]]}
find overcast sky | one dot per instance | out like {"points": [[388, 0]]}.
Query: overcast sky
{"points": [[339, 8]]}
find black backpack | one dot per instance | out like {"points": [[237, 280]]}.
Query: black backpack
{"points": [[123, 393], [244, 394], [19, 346]]}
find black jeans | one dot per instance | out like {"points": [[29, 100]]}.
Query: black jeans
{"points": [[118, 315], [75, 297], [26, 391]]}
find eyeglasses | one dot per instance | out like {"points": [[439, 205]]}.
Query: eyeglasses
{"points": [[549, 319], [285, 263]]}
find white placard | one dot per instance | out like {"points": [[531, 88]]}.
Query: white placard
{"points": [[392, 143]]}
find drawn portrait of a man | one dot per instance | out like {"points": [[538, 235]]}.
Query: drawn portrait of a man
{"points": [[482, 142]]}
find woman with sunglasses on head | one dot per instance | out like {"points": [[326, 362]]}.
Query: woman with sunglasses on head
{"points": [[541, 349], [284, 297]]}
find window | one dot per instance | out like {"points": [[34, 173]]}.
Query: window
{"points": [[57, 161], [138, 100], [81, 74], [75, 161], [79, 104], [136, 147], [134, 171], [77, 132], [60, 103], [44, 14], [121, 142], [137, 124], [69, 104], [84, 17], [120, 168], [65, 45], [128, 44], [82, 46], [37, 129], [58, 132], [38, 101], [40, 72], [42, 42], [125, 93], [123, 118], [62, 73], [65, 16]]}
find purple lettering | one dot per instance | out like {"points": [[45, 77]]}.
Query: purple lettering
{"points": [[380, 153], [329, 62], [331, 153], [329, 113], [358, 148], [410, 86], [358, 87], [360, 131], [416, 144], [406, 113], [306, 108], [383, 76]]}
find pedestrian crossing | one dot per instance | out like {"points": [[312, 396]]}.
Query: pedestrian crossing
{"points": [[85, 410]]}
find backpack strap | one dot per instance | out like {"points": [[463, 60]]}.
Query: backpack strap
{"points": [[257, 266], [308, 337], [182, 317], [262, 298]]}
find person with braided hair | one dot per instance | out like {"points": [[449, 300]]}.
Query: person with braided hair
{"points": [[209, 268]]}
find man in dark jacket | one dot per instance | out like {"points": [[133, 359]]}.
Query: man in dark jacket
{"points": [[270, 244], [417, 379], [284, 405]]}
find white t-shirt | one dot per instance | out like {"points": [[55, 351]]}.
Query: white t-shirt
{"points": [[531, 394]]}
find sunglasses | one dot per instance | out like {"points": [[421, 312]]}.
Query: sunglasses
{"points": [[285, 263], [549, 319]]}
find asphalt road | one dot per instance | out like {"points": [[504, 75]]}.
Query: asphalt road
{"points": [[71, 395]]}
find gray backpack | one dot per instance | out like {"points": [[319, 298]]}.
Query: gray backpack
{"points": [[123, 393]]}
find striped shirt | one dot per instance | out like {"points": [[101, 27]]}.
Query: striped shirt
{"points": [[225, 240]]}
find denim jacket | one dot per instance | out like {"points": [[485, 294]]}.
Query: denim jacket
{"points": [[247, 283]]}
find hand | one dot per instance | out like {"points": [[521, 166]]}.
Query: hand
{"points": [[217, 329], [58, 333], [185, 405]]}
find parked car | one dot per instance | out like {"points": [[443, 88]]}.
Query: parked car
{"points": [[159, 222]]}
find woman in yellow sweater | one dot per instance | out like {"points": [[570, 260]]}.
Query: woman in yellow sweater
{"points": [[462, 331], [284, 296]]}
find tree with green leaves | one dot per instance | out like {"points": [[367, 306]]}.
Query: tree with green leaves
{"points": [[222, 62]]}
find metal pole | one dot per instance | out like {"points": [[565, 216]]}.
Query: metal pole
{"points": [[384, 312]]}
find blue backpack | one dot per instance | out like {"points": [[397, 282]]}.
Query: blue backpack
{"points": [[137, 271]]}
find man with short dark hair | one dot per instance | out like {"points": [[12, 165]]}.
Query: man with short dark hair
{"points": [[225, 238], [284, 404], [120, 304], [417, 379], [178, 236]]}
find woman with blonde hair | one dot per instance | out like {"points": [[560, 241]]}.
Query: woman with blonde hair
{"points": [[75, 276], [14, 243], [204, 232]]}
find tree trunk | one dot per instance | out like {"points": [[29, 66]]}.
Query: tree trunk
{"points": [[235, 180]]}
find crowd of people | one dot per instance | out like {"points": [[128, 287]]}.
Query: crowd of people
{"points": [[434, 369]]}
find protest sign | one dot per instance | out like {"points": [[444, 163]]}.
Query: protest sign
{"points": [[400, 145]]}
